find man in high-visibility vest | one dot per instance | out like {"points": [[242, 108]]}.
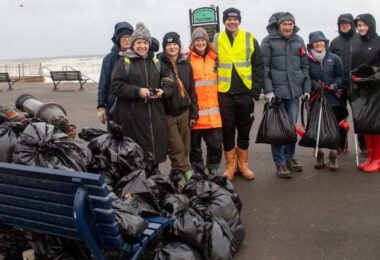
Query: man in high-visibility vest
{"points": [[240, 74]]}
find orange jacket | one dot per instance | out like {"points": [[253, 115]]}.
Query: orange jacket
{"points": [[206, 87]]}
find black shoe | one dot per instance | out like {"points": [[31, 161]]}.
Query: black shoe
{"points": [[283, 172], [293, 165], [333, 164], [320, 162]]}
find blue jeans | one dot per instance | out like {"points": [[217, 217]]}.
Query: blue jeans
{"points": [[282, 153]]}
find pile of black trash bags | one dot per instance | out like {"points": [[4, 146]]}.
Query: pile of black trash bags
{"points": [[206, 212]]}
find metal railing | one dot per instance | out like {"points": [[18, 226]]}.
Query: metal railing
{"points": [[22, 69]]}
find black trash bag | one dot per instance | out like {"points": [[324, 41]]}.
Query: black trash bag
{"points": [[365, 96], [221, 205], [217, 201], [221, 241], [115, 155], [329, 130], [9, 135], [110, 174], [44, 145], [164, 186], [89, 133], [12, 243], [3, 118], [130, 223], [198, 187], [174, 204], [276, 127], [189, 227], [143, 190], [56, 248], [177, 251], [176, 177], [224, 183]]}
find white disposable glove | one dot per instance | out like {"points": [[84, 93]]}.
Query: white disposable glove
{"points": [[305, 96], [269, 97]]}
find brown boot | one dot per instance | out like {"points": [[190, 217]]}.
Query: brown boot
{"points": [[333, 164], [242, 160], [230, 164]]}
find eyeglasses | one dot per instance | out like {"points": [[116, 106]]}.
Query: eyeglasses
{"points": [[125, 37]]}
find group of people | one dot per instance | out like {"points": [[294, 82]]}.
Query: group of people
{"points": [[168, 103]]}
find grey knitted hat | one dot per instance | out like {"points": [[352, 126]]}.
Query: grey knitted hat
{"points": [[286, 16], [141, 32], [199, 33]]}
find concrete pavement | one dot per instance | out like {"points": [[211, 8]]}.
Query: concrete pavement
{"points": [[318, 214]]}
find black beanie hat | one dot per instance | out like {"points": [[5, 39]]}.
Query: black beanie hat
{"points": [[171, 37], [231, 12]]}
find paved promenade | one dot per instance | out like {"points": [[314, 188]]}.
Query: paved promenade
{"points": [[317, 214]]}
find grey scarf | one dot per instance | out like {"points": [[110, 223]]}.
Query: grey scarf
{"points": [[319, 56]]}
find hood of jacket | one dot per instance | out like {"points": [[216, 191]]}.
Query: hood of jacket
{"points": [[272, 26], [370, 21], [119, 27], [348, 18], [317, 36]]}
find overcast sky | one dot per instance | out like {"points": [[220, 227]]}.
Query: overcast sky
{"points": [[51, 28]]}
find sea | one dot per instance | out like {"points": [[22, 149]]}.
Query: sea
{"points": [[89, 66]]}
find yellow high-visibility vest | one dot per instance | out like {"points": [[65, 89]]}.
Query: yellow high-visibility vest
{"points": [[238, 55]]}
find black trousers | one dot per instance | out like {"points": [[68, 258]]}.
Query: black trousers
{"points": [[237, 113], [213, 138]]}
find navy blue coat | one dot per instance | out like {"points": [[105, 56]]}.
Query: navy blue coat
{"points": [[286, 70], [105, 97], [329, 72]]}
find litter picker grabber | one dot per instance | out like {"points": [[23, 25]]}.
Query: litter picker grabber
{"points": [[319, 125]]}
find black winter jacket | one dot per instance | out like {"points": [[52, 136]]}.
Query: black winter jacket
{"points": [[367, 49], [142, 120], [175, 104], [342, 46], [286, 68]]}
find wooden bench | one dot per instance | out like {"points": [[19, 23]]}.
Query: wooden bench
{"points": [[4, 77], [68, 204], [70, 75]]}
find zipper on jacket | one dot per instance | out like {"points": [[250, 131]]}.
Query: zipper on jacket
{"points": [[150, 115]]}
